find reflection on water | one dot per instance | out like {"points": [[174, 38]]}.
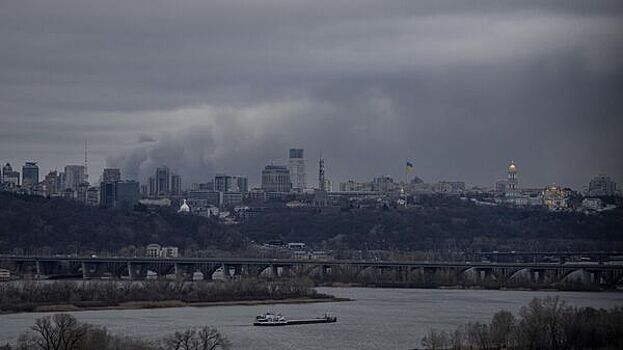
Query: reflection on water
{"points": [[379, 318]]}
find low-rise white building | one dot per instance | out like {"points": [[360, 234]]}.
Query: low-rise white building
{"points": [[155, 250]]}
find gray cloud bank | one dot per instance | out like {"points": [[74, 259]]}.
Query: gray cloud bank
{"points": [[461, 87]]}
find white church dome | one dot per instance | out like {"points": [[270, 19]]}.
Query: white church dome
{"points": [[184, 208]]}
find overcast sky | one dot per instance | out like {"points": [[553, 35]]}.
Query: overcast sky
{"points": [[458, 87]]}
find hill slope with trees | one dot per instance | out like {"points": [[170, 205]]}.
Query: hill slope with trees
{"points": [[36, 225], [40, 225], [442, 223]]}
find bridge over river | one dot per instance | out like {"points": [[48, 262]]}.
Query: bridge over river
{"points": [[607, 274]]}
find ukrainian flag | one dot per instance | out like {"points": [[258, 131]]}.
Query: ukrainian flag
{"points": [[409, 167]]}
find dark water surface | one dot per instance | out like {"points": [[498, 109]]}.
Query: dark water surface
{"points": [[377, 319]]}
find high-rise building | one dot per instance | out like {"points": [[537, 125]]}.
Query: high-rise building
{"points": [[93, 196], [107, 188], [75, 175], [243, 184], [321, 175], [296, 166], [176, 184], [111, 175], [107, 194], [52, 185], [127, 194], [163, 181], [601, 186], [119, 194], [81, 192], [225, 183], [9, 176], [30, 175], [276, 178], [151, 192]]}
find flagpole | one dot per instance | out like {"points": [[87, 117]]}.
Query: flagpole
{"points": [[404, 189]]}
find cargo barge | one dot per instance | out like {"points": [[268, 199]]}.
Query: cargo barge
{"points": [[272, 320]]}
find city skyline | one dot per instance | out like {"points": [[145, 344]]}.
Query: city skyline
{"points": [[407, 175], [461, 89]]}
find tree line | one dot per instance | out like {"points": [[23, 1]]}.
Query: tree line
{"points": [[544, 324], [30, 295], [65, 332]]}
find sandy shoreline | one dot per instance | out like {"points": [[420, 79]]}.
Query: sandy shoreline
{"points": [[133, 305]]}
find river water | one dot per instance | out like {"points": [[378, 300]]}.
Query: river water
{"points": [[377, 319]]}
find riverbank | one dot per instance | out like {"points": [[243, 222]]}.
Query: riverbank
{"points": [[42, 296], [535, 288], [135, 305]]}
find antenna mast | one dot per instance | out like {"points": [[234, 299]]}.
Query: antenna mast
{"points": [[86, 161]]}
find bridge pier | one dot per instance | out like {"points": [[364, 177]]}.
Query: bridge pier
{"points": [[84, 270], [130, 272], [176, 271], [595, 277], [537, 276], [274, 271], [38, 274]]}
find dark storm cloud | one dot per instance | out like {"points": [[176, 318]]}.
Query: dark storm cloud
{"points": [[461, 87]]}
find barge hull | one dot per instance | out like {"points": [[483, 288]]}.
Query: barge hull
{"points": [[296, 322]]}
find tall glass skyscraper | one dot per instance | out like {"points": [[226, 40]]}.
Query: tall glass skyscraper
{"points": [[296, 166]]}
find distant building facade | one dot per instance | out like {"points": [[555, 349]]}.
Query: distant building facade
{"points": [[355, 186], [276, 178], [449, 187], [296, 166], [164, 183], [118, 194], [10, 177], [228, 183], [176, 184], [111, 175], [52, 184], [75, 176], [30, 175], [601, 186], [122, 195]]}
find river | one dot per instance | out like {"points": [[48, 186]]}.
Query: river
{"points": [[377, 319]]}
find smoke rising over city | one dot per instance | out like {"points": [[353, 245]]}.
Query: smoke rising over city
{"points": [[460, 88]]}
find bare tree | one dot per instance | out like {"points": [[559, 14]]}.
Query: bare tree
{"points": [[211, 339], [59, 332], [501, 328], [435, 339], [541, 326], [458, 338], [478, 334], [205, 338]]}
